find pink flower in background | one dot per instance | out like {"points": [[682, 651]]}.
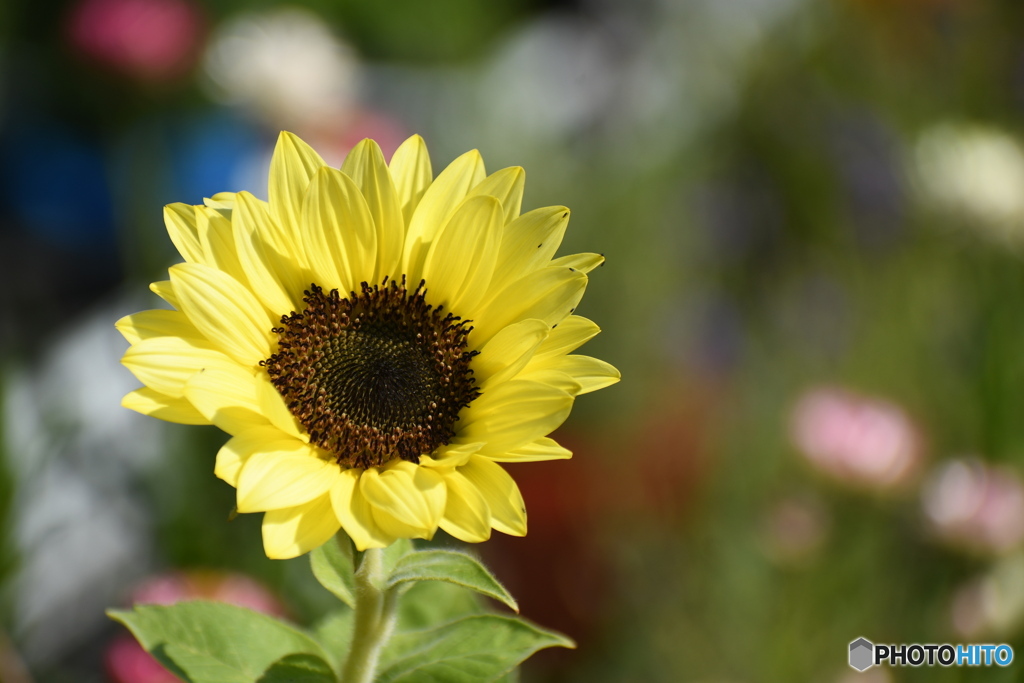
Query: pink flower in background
{"points": [[858, 440], [127, 662], [151, 40], [976, 506]]}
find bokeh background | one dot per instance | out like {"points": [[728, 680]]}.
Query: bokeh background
{"points": [[813, 213]]}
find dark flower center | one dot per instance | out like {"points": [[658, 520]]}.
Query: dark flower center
{"points": [[376, 375]]}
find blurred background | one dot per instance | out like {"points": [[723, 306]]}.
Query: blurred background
{"points": [[813, 213]]}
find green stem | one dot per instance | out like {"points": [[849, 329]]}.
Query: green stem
{"points": [[375, 619]]}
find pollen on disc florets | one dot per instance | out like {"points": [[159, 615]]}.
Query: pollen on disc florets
{"points": [[376, 375]]}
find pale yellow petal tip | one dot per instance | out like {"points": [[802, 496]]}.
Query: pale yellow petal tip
{"points": [[223, 473], [132, 402], [284, 553], [221, 201], [518, 532], [365, 142], [172, 208], [123, 325]]}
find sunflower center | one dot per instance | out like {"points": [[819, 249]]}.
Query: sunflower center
{"points": [[376, 375]]}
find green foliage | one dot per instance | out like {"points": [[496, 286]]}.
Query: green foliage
{"points": [[452, 567], [442, 632], [332, 566], [434, 602], [208, 642], [299, 669], [334, 632], [473, 649]]}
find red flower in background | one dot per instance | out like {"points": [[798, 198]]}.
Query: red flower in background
{"points": [[151, 40]]}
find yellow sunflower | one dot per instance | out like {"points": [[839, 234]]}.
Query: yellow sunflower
{"points": [[374, 340]]}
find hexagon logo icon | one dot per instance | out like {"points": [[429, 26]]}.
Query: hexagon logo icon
{"points": [[862, 654]]}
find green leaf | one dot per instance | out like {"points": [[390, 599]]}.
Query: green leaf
{"points": [[429, 603], [475, 649], [210, 642], [451, 567], [394, 553], [299, 669], [511, 677], [334, 633], [334, 567]]}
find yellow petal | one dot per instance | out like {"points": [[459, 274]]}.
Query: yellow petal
{"points": [[528, 243], [223, 202], [166, 363], [549, 294], [451, 455], [355, 514], [224, 311], [218, 241], [590, 373], [407, 497], [540, 449], [365, 165], [512, 414], [180, 220], [151, 402], [340, 232], [439, 202], [294, 531], [226, 396], [411, 171], [567, 336], [165, 290], [553, 377], [292, 167], [236, 452], [285, 474], [158, 322], [466, 515], [272, 271], [508, 511], [272, 405], [508, 351], [506, 186], [460, 260], [431, 486], [582, 262]]}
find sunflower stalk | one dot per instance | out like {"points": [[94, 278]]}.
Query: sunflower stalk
{"points": [[375, 612]]}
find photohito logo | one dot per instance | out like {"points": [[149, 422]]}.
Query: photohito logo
{"points": [[865, 654]]}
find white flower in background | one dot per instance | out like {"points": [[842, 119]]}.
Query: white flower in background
{"points": [[554, 77], [992, 605], [975, 173], [82, 527], [285, 66], [860, 441], [976, 506]]}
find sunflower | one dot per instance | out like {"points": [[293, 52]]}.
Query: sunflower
{"points": [[375, 341]]}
